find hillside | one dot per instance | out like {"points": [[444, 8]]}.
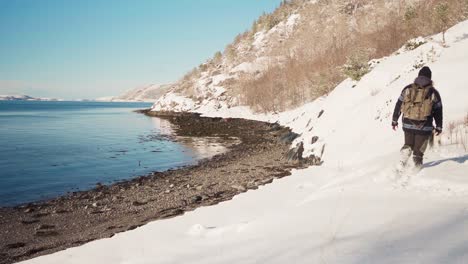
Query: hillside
{"points": [[353, 208], [304, 49], [148, 93]]}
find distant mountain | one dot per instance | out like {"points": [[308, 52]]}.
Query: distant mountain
{"points": [[149, 93], [24, 98]]}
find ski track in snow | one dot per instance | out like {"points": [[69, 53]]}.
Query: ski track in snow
{"points": [[353, 209]]}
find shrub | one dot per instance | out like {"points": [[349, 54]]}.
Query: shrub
{"points": [[442, 17], [217, 58], [414, 43], [357, 65]]}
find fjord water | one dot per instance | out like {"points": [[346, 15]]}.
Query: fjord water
{"points": [[50, 148]]}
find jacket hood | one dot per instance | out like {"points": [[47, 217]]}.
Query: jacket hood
{"points": [[423, 81]]}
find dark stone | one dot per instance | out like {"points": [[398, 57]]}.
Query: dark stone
{"points": [[314, 139], [139, 203], [39, 215], [29, 221], [295, 154], [15, 245], [46, 233], [44, 227], [196, 199], [320, 113], [275, 126], [289, 137]]}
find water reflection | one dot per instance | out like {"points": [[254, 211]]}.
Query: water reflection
{"points": [[163, 126], [202, 147]]}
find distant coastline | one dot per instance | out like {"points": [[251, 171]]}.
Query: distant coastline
{"points": [[25, 98]]}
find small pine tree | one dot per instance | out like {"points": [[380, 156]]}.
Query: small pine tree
{"points": [[357, 65], [442, 16], [410, 14], [409, 18]]}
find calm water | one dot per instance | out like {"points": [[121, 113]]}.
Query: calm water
{"points": [[50, 148]]}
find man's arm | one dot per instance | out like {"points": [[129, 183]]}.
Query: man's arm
{"points": [[438, 111], [397, 110]]}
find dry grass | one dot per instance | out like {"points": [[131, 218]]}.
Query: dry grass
{"points": [[329, 34], [458, 133]]}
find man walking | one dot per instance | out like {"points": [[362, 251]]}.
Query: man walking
{"points": [[420, 104]]}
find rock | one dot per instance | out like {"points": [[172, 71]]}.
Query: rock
{"points": [[15, 245], [171, 186], [196, 199], [289, 137], [60, 211], [320, 113], [313, 160], [39, 215], [295, 154], [275, 126], [95, 205], [46, 233], [168, 191], [239, 188], [29, 221], [199, 187], [45, 226], [29, 210], [314, 139], [266, 181], [139, 203]]}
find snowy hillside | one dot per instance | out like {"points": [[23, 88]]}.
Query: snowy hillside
{"points": [[149, 93], [304, 49], [353, 209]]}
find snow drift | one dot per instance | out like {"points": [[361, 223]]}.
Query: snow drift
{"points": [[353, 209]]}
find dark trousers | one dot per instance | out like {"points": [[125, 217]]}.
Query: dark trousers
{"points": [[416, 144]]}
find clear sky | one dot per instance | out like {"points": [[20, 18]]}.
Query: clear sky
{"points": [[91, 48]]}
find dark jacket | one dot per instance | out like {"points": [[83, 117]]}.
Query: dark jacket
{"points": [[421, 127]]}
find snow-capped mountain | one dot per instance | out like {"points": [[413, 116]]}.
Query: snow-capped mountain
{"points": [[24, 98], [352, 209], [148, 93]]}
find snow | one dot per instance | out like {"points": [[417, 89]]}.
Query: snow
{"points": [[282, 29], [174, 101], [353, 208], [147, 93]]}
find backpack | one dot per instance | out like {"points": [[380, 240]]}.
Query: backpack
{"points": [[417, 102]]}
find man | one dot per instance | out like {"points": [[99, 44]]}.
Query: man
{"points": [[420, 104]]}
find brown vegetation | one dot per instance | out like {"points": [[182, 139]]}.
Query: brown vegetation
{"points": [[333, 40], [344, 50]]}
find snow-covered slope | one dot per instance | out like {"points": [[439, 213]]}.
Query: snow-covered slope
{"points": [[353, 209], [148, 93]]}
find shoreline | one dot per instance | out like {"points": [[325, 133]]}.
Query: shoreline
{"points": [[45, 227]]}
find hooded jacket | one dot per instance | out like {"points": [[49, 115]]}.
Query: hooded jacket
{"points": [[421, 127]]}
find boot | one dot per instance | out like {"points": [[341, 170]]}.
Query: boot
{"points": [[405, 154], [418, 163]]}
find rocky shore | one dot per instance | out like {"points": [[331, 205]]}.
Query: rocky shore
{"points": [[45, 227]]}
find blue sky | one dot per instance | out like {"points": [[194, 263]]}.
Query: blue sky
{"points": [[91, 48]]}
